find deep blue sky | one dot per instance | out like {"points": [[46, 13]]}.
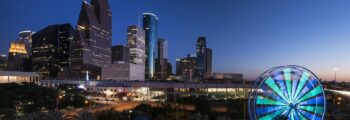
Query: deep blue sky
{"points": [[247, 36]]}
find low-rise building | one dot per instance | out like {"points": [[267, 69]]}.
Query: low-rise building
{"points": [[3, 62], [121, 70], [18, 77], [227, 77], [186, 67]]}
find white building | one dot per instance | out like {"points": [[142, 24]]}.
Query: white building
{"points": [[18, 77], [136, 43], [123, 71]]}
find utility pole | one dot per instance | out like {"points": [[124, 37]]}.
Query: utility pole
{"points": [[244, 100], [335, 76]]}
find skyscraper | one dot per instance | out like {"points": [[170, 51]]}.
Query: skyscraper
{"points": [[51, 49], [91, 47], [3, 62], [136, 44], [200, 71], [120, 53], [17, 56], [209, 60], [186, 68], [162, 48], [178, 69], [162, 61], [170, 69], [25, 37], [150, 25]]}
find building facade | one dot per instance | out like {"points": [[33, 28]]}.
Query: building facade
{"points": [[161, 69], [200, 72], [18, 77], [25, 37], [17, 57], [120, 53], [209, 62], [121, 70], [186, 68], [150, 25], [3, 62], [51, 50], [91, 47], [136, 44], [227, 78], [162, 46]]}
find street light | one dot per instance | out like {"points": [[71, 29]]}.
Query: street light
{"points": [[58, 101], [339, 98]]}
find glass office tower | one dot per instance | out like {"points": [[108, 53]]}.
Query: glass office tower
{"points": [[150, 25], [51, 49], [200, 71], [91, 47], [26, 38], [136, 43]]}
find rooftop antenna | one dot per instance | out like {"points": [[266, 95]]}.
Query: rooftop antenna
{"points": [[87, 80], [87, 76]]}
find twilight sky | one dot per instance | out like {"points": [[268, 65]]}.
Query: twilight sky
{"points": [[247, 36]]}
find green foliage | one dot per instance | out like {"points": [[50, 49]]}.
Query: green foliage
{"points": [[236, 108], [17, 100], [73, 98], [26, 98], [112, 115]]}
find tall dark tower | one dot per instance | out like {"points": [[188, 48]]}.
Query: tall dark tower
{"points": [[17, 55], [50, 48], [161, 69], [91, 48], [26, 38], [200, 71], [209, 61], [150, 25]]}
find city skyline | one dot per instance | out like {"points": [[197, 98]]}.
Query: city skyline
{"points": [[249, 48]]}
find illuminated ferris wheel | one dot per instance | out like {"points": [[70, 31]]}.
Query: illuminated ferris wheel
{"points": [[291, 92]]}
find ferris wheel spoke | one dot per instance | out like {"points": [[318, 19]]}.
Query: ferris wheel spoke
{"points": [[301, 116], [273, 115], [272, 84], [295, 82], [268, 109], [265, 101], [307, 88], [310, 94], [308, 115], [319, 100], [288, 80], [293, 115], [301, 84], [313, 109]]}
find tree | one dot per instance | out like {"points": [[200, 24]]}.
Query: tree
{"points": [[79, 116], [112, 115], [202, 105]]}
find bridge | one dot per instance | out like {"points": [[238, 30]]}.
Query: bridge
{"points": [[148, 84]]}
